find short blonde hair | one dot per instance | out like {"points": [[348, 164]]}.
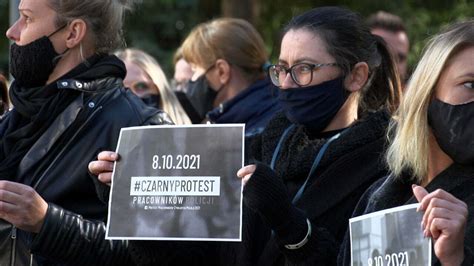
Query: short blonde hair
{"points": [[169, 101], [230, 39], [409, 148]]}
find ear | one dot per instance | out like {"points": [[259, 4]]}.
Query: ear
{"points": [[77, 30], [356, 80], [223, 70]]}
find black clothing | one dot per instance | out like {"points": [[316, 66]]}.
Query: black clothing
{"points": [[188, 107], [174, 253], [255, 106], [55, 164], [37, 108], [394, 191], [350, 165]]}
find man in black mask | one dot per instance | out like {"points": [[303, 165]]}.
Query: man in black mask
{"points": [[69, 104]]}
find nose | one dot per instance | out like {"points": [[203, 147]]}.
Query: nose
{"points": [[13, 33], [288, 82]]}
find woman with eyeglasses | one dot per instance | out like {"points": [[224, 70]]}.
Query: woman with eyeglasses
{"points": [[146, 79], [338, 85]]}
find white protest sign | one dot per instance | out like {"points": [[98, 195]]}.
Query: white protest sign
{"points": [[392, 237], [178, 183]]}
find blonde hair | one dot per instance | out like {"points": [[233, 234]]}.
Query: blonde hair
{"points": [[233, 40], [104, 18], [169, 101], [409, 148]]}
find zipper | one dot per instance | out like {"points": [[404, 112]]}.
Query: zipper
{"points": [[13, 236], [65, 146], [13, 252]]}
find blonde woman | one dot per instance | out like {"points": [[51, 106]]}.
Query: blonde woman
{"points": [[148, 81], [228, 57], [431, 156], [4, 101]]}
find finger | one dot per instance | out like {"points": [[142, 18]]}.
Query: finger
{"points": [[6, 209], [447, 206], [9, 197], [13, 187], [98, 167], [105, 178], [438, 226], [108, 156], [420, 193], [439, 193], [435, 213], [246, 179], [435, 203], [246, 170]]}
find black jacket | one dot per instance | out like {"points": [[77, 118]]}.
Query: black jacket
{"points": [[349, 166], [394, 191], [72, 233]]}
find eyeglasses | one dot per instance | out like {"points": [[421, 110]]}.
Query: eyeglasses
{"points": [[301, 74]]}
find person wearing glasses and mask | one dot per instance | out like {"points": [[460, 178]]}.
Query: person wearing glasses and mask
{"points": [[338, 85], [228, 58], [146, 79]]}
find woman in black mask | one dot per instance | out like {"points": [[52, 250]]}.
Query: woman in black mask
{"points": [[338, 85], [228, 57], [146, 79], [69, 103], [431, 155]]}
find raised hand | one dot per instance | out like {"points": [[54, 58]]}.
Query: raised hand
{"points": [[104, 165], [444, 220]]}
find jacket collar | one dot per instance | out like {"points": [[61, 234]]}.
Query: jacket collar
{"points": [[247, 105]]}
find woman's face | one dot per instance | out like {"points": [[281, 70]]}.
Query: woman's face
{"points": [[138, 81], [303, 46], [456, 83], [36, 20]]}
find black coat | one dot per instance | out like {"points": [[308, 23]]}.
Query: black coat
{"points": [[349, 166], [73, 230], [394, 191]]}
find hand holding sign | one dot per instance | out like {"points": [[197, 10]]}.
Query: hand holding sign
{"points": [[246, 172], [104, 165], [445, 221], [175, 183]]}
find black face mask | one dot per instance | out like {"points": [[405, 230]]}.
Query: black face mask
{"points": [[201, 95], [452, 125], [32, 64], [314, 106], [152, 100]]}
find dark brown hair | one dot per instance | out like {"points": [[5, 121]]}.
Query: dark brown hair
{"points": [[349, 41]]}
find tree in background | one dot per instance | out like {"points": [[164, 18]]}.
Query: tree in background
{"points": [[159, 26]]}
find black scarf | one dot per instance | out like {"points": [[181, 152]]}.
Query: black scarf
{"points": [[37, 108]]}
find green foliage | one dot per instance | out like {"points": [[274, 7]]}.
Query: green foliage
{"points": [[159, 26], [423, 18]]}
